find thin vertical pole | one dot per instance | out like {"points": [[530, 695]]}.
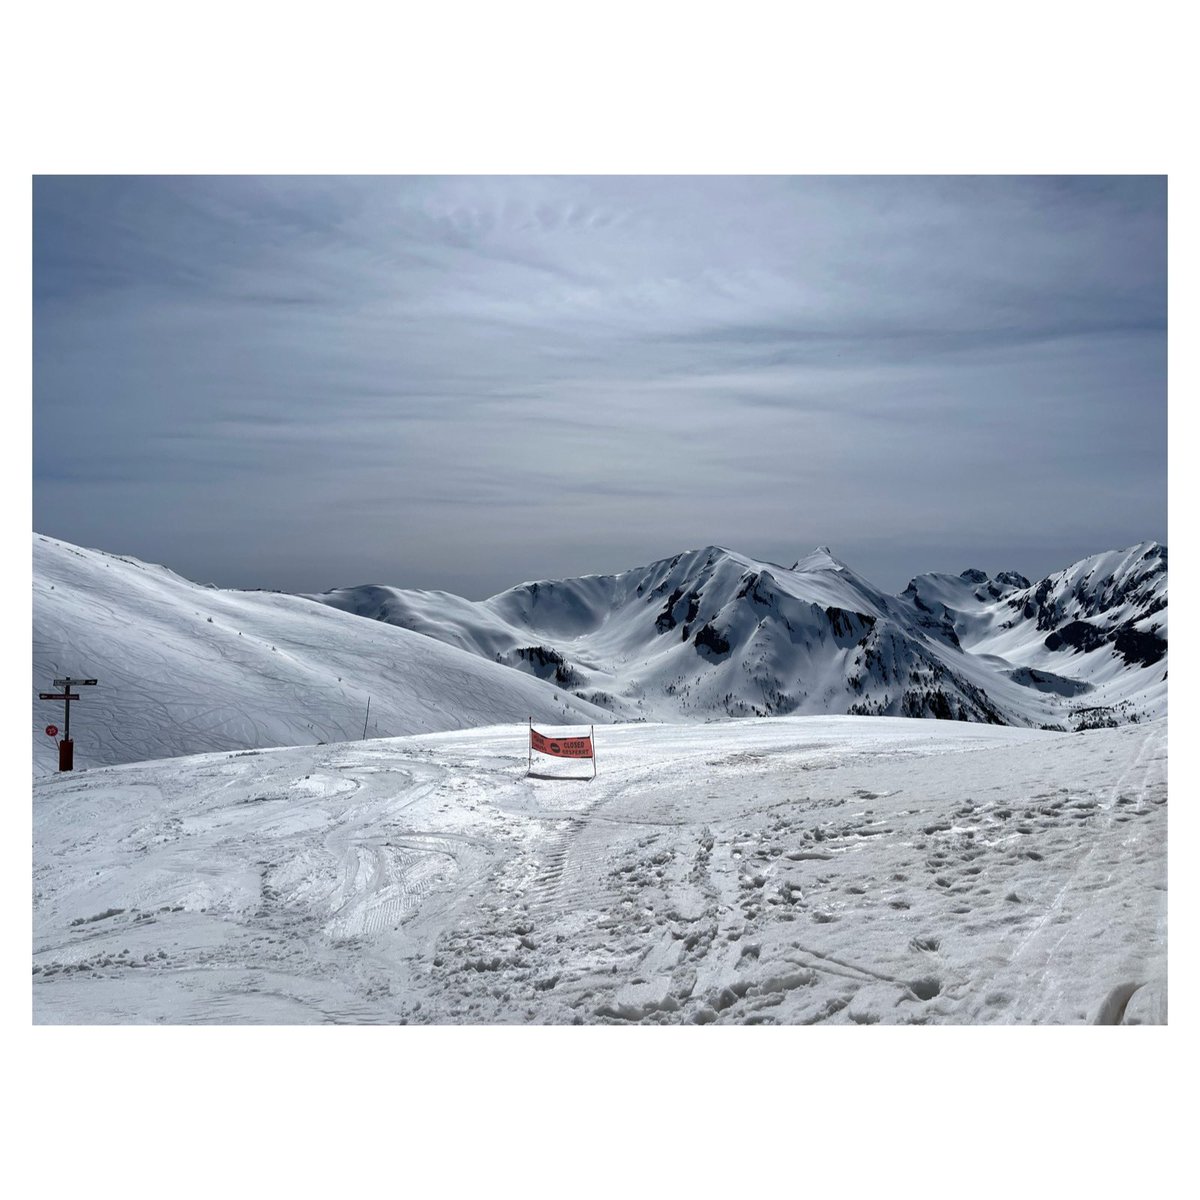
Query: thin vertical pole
{"points": [[366, 718], [595, 767], [67, 717], [530, 766]]}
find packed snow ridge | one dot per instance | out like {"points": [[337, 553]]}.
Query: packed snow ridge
{"points": [[709, 634], [712, 633]]}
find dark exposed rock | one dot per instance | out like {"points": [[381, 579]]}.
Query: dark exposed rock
{"points": [[711, 640], [1092, 597], [851, 625], [1136, 647], [1047, 681], [1078, 635], [941, 625], [547, 663], [1012, 579], [757, 587], [666, 619], [1141, 648], [1154, 606]]}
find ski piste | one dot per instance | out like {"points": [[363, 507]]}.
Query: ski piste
{"points": [[794, 870]]}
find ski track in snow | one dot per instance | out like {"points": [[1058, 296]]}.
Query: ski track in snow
{"points": [[185, 669], [795, 870]]}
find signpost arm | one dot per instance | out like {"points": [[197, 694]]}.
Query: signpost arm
{"points": [[65, 762]]}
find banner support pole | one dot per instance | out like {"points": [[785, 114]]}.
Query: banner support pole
{"points": [[551, 745]]}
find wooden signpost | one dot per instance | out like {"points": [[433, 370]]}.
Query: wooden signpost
{"points": [[66, 748]]}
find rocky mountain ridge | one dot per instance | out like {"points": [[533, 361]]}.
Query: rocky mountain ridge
{"points": [[713, 633]]}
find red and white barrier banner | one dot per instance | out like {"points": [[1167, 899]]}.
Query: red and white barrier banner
{"points": [[561, 747]]}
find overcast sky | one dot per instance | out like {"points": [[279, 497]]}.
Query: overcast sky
{"points": [[466, 382]]}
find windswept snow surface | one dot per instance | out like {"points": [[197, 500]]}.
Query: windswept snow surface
{"points": [[791, 870], [185, 668]]}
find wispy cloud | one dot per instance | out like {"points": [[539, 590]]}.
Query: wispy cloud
{"points": [[899, 367]]}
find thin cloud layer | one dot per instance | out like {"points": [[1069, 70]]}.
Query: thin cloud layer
{"points": [[468, 382]]}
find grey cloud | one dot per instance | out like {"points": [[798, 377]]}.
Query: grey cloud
{"points": [[892, 366]]}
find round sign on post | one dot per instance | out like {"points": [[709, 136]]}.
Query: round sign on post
{"points": [[52, 731]]}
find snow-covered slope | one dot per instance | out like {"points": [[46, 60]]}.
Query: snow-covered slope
{"points": [[710, 633], [1094, 634], [185, 668], [715, 633], [794, 870]]}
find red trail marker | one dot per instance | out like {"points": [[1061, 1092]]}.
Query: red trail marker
{"points": [[66, 748]]}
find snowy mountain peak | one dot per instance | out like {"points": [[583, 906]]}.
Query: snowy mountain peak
{"points": [[711, 631], [706, 633], [1012, 579], [820, 559]]}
